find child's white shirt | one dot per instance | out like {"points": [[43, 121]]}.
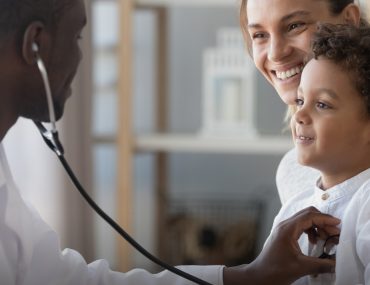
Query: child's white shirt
{"points": [[349, 201]]}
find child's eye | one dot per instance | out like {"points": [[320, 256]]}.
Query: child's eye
{"points": [[322, 105], [299, 102]]}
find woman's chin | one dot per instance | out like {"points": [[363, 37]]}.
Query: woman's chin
{"points": [[289, 98]]}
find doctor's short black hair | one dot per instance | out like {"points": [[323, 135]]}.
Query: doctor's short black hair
{"points": [[16, 15], [349, 47]]}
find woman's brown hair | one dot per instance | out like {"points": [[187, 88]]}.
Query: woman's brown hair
{"points": [[335, 6]]}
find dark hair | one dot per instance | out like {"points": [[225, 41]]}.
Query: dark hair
{"points": [[335, 6], [349, 47], [16, 15]]}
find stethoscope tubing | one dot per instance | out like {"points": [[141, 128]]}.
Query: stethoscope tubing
{"points": [[51, 139]]}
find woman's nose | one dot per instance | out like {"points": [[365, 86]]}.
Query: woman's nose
{"points": [[279, 49]]}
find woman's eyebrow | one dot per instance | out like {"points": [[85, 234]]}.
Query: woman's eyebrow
{"points": [[285, 18], [295, 14]]}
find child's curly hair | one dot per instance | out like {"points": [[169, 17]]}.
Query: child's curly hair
{"points": [[348, 46]]}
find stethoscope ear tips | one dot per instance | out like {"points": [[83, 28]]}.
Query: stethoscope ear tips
{"points": [[35, 47]]}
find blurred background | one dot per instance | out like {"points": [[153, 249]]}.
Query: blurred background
{"points": [[170, 129]]}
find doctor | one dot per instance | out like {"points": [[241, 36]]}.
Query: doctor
{"points": [[29, 248]]}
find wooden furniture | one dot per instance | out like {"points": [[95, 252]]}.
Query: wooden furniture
{"points": [[161, 143]]}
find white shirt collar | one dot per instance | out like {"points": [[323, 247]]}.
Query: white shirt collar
{"points": [[345, 189]]}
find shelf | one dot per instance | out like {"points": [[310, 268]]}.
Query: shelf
{"points": [[273, 145], [196, 3]]}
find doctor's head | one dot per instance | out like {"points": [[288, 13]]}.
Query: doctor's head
{"points": [[279, 32], [55, 26]]}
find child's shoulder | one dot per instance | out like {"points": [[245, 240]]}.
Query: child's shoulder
{"points": [[363, 193]]}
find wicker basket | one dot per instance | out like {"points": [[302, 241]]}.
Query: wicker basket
{"points": [[212, 231]]}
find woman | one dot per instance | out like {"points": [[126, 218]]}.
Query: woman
{"points": [[278, 35]]}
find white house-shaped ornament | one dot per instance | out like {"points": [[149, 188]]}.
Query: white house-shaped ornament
{"points": [[229, 88]]}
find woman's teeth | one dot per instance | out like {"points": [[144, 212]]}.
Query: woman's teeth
{"points": [[288, 73]]}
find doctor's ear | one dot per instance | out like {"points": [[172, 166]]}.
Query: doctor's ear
{"points": [[35, 48], [34, 42]]}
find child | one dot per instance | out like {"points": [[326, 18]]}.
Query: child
{"points": [[331, 131]]}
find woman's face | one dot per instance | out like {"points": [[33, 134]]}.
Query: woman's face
{"points": [[281, 32]]}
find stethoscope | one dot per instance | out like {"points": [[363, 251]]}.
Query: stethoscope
{"points": [[51, 138]]}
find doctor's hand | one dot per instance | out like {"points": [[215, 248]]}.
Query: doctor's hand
{"points": [[281, 260]]}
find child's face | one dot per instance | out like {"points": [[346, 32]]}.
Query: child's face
{"points": [[331, 128]]}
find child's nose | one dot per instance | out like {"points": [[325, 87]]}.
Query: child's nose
{"points": [[302, 117]]}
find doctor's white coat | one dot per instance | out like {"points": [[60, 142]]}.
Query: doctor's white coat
{"points": [[30, 253]]}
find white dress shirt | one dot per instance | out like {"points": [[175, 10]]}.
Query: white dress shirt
{"points": [[30, 252], [349, 201]]}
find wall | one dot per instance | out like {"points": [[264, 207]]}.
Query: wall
{"points": [[190, 31], [239, 176]]}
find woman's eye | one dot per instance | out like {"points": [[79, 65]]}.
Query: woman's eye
{"points": [[295, 26], [259, 36]]}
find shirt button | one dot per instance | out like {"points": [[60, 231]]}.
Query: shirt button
{"points": [[325, 196]]}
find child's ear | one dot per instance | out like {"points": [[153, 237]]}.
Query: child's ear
{"points": [[352, 14]]}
